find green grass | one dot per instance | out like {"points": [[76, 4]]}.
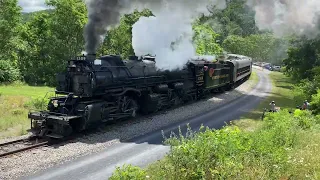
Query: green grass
{"points": [[15, 102], [24, 90], [254, 78], [282, 95]]}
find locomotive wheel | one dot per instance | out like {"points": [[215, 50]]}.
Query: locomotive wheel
{"points": [[129, 105], [176, 99]]}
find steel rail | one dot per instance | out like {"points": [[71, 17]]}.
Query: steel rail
{"points": [[20, 149]]}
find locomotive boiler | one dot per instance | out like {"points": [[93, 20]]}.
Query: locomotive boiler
{"points": [[96, 90]]}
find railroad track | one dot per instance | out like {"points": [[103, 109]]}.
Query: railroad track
{"points": [[14, 147]]}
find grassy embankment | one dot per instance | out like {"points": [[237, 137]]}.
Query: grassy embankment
{"points": [[15, 102], [283, 146], [281, 93], [254, 78]]}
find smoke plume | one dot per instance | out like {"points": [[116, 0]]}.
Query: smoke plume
{"points": [[104, 15], [285, 17], [168, 34]]}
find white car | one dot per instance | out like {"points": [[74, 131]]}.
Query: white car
{"points": [[276, 68]]}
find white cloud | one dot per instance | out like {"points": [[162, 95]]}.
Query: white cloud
{"points": [[32, 5]]}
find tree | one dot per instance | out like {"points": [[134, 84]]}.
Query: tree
{"points": [[52, 39], [303, 56], [35, 61], [205, 40], [261, 47], [236, 19], [119, 40], [10, 21]]}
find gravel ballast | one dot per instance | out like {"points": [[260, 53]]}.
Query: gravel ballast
{"points": [[31, 161]]}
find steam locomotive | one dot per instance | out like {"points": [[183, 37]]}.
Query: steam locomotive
{"points": [[96, 90]]}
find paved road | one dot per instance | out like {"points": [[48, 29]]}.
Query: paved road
{"points": [[144, 150]]}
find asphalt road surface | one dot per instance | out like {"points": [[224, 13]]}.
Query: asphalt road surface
{"points": [[146, 149]]}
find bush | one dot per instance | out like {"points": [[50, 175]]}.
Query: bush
{"points": [[230, 153], [315, 102], [128, 172], [8, 73], [304, 91]]}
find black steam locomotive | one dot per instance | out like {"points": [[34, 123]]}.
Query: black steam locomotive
{"points": [[93, 90]]}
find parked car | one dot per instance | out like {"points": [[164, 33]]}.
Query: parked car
{"points": [[276, 68]]}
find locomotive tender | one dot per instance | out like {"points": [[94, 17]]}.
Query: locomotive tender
{"points": [[94, 91]]}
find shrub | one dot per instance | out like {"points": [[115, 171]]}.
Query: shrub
{"points": [[128, 172], [230, 153], [315, 102], [8, 73]]}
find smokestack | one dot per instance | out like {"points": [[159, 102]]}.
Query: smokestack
{"points": [[91, 57]]}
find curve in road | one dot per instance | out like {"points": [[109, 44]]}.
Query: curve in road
{"points": [[148, 148]]}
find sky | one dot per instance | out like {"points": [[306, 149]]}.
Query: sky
{"points": [[32, 5]]}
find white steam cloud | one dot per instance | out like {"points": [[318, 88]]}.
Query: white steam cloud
{"points": [[168, 34], [286, 17]]}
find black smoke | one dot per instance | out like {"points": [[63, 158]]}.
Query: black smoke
{"points": [[102, 15]]}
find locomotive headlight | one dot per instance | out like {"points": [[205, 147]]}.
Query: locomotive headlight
{"points": [[55, 103]]}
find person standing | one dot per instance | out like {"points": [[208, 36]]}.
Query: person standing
{"points": [[305, 105], [272, 106]]}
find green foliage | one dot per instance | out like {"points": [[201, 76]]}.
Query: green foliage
{"points": [[10, 19], [303, 56], [304, 91], [309, 90], [37, 104], [227, 152], [236, 19], [51, 39], [231, 153], [128, 172], [315, 103], [16, 100], [119, 40], [261, 47], [205, 38], [8, 73], [303, 65], [28, 16]]}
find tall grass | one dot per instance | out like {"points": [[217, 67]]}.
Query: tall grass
{"points": [[16, 100]]}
